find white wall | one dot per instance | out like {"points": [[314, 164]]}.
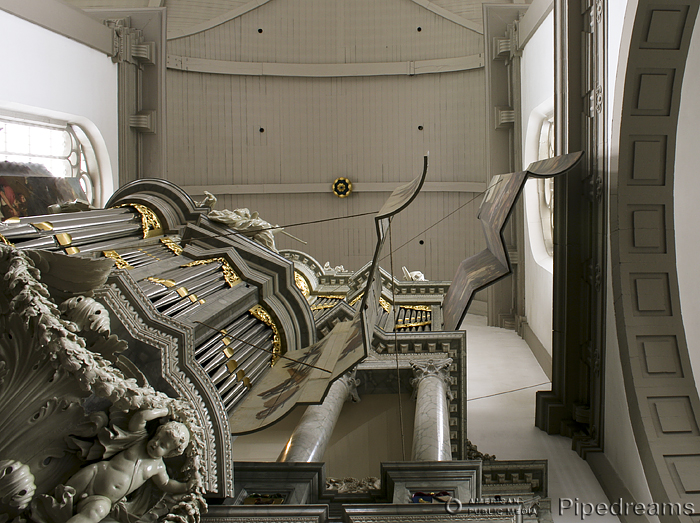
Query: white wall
{"points": [[537, 95], [49, 75], [620, 447]]}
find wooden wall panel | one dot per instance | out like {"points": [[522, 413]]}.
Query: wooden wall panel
{"points": [[331, 31], [108, 4], [351, 241], [316, 129], [469, 9], [186, 13]]}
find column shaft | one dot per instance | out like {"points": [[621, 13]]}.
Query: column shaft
{"points": [[431, 427], [310, 437]]}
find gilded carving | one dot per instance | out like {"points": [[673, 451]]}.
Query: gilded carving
{"points": [[384, 304], [150, 224], [119, 262], [265, 317], [165, 283], [229, 274], [172, 245], [356, 299], [417, 307], [300, 282], [414, 324]]}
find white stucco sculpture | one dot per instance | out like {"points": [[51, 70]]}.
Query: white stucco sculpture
{"points": [[250, 224], [337, 268], [208, 201], [100, 485], [412, 275]]}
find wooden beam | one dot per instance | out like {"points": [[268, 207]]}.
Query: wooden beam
{"points": [[301, 188], [444, 65], [221, 19], [532, 20], [254, 4], [65, 20], [449, 15]]}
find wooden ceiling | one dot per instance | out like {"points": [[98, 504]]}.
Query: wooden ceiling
{"points": [[268, 102]]}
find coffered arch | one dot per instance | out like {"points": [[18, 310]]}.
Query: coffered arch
{"points": [[659, 384]]}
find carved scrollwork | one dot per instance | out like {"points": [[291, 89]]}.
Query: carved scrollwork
{"points": [[384, 304], [51, 373], [87, 314], [16, 487], [127, 315], [353, 485]]}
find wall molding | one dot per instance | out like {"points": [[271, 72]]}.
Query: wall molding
{"points": [[574, 406], [410, 68], [543, 357]]}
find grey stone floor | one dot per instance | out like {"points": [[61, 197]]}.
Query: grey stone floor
{"points": [[504, 424]]}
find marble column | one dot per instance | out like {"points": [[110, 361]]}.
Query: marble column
{"points": [[310, 437], [431, 428]]}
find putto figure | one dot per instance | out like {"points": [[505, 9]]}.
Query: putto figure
{"points": [[100, 485]]}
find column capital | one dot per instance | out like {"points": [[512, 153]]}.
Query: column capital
{"points": [[440, 369], [351, 382]]}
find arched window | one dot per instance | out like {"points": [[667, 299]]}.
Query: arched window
{"points": [[62, 148], [545, 186]]}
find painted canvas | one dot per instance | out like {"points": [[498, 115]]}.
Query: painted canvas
{"points": [[492, 264]]}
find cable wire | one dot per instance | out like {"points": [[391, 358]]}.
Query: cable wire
{"points": [[509, 391], [396, 344]]}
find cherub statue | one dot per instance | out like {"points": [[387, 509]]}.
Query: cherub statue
{"points": [[100, 485]]}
